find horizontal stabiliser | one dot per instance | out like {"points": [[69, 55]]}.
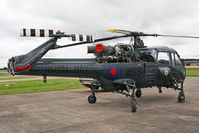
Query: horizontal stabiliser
{"points": [[36, 33]]}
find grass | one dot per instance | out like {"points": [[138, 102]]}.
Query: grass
{"points": [[39, 86], [6, 77], [3, 75], [192, 72], [3, 70]]}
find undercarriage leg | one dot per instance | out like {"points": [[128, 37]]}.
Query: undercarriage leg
{"points": [[131, 94], [133, 101], [181, 96]]}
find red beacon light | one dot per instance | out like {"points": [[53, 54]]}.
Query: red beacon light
{"points": [[58, 31], [99, 48]]}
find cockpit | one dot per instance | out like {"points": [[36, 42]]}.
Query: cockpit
{"points": [[162, 55], [148, 55]]}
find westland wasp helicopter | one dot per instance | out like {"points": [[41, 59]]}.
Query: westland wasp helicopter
{"points": [[123, 68]]}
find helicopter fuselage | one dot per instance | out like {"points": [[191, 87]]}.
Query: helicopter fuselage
{"points": [[123, 67], [144, 74]]}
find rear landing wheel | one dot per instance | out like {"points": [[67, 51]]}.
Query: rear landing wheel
{"points": [[92, 99], [181, 97], [138, 93], [133, 105]]}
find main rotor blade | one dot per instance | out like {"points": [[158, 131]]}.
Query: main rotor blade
{"points": [[178, 36], [126, 34], [135, 33], [96, 40]]}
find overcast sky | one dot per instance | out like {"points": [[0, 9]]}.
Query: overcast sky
{"points": [[93, 17]]}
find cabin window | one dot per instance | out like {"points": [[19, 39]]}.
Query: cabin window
{"points": [[177, 60], [173, 59], [149, 55], [163, 58]]}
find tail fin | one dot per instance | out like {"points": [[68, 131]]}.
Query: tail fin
{"points": [[24, 62]]}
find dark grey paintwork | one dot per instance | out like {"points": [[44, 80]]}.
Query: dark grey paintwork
{"points": [[91, 69], [114, 77]]}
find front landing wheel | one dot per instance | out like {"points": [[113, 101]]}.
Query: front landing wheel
{"points": [[133, 105], [92, 99], [181, 97]]}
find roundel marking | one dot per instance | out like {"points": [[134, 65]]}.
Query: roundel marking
{"points": [[113, 71]]}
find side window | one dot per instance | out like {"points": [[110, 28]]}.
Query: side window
{"points": [[177, 60], [163, 58], [173, 59]]}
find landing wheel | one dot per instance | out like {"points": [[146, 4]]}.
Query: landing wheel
{"points": [[181, 97], [138, 93], [92, 99], [133, 105]]}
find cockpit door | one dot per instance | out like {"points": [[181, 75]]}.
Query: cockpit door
{"points": [[163, 58], [178, 67]]}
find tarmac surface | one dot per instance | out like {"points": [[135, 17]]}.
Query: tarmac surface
{"points": [[69, 112], [3, 73]]}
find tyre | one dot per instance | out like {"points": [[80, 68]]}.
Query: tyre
{"points": [[138, 93], [133, 105], [181, 97], [92, 99]]}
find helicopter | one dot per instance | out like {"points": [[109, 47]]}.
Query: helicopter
{"points": [[122, 68]]}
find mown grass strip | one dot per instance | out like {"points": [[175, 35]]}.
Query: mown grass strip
{"points": [[192, 72], [3, 70], [9, 77], [39, 86], [3, 75]]}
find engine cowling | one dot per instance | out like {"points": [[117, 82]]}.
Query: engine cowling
{"points": [[99, 48]]}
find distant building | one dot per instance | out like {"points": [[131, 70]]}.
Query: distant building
{"points": [[191, 62]]}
